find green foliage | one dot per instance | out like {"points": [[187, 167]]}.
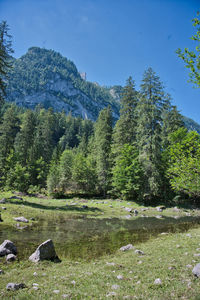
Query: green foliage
{"points": [[5, 61], [184, 162], [102, 148], [84, 176], [127, 173], [192, 57]]}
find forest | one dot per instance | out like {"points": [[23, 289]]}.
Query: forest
{"points": [[146, 155]]}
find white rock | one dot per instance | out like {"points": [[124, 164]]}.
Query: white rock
{"points": [[115, 287], [120, 277], [158, 281], [127, 247]]}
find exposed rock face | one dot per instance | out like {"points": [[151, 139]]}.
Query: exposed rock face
{"points": [[7, 247], [45, 251], [15, 286], [61, 87]]}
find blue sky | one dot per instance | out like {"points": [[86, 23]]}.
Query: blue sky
{"points": [[112, 39]]}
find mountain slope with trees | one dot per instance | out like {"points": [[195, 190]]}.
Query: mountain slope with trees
{"points": [[46, 77]]}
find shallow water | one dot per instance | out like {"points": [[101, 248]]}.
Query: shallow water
{"points": [[89, 238]]}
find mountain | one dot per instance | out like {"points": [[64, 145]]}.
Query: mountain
{"points": [[46, 77], [191, 124]]}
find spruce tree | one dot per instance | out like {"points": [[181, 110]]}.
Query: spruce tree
{"points": [[149, 110], [102, 148], [5, 61], [125, 128]]}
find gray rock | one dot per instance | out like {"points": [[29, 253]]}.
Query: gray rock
{"points": [[21, 219], [3, 201], [3, 208], [15, 286], [128, 209], [7, 247], [10, 257], [159, 209], [135, 212], [158, 281], [196, 270], [115, 287], [139, 252], [127, 247], [16, 197], [20, 227], [158, 217], [45, 251]]}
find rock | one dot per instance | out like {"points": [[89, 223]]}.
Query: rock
{"points": [[111, 294], [15, 286], [196, 270], [139, 252], [1, 218], [188, 266], [158, 217], [35, 274], [115, 287], [110, 264], [32, 219], [16, 197], [10, 257], [158, 281], [7, 247], [120, 277], [135, 212], [21, 219], [3, 208], [127, 247], [128, 217], [20, 227], [85, 207], [3, 201], [56, 291], [45, 251], [1, 272], [197, 254], [128, 209], [159, 209], [144, 209]]}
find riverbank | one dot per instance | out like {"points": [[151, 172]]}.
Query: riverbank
{"points": [[169, 257]]}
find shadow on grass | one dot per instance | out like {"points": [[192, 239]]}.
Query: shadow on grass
{"points": [[58, 208]]}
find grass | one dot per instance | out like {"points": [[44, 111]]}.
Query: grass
{"points": [[169, 257]]}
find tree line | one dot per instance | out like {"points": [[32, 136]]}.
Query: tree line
{"points": [[146, 155]]}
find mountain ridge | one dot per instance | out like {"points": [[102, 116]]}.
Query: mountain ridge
{"points": [[45, 77]]}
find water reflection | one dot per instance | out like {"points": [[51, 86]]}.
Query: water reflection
{"points": [[89, 238]]}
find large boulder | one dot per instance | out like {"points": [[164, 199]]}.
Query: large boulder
{"points": [[7, 247], [45, 251]]}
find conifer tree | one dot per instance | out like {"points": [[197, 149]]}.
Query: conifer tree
{"points": [[150, 109], [102, 147], [5, 51], [125, 129]]}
